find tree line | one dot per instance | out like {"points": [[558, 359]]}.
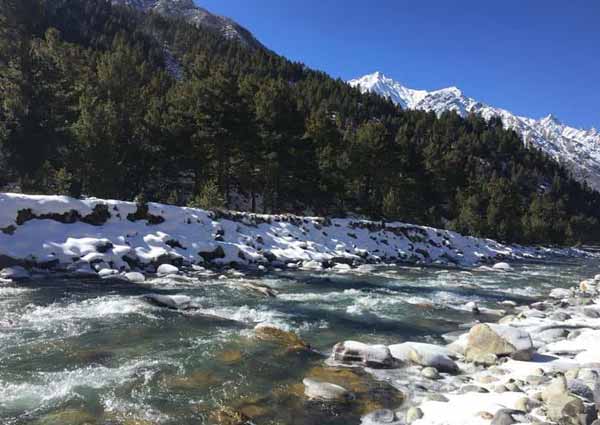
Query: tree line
{"points": [[105, 101]]}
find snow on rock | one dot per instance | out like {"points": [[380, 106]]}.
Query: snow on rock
{"points": [[58, 231], [135, 277], [166, 269], [427, 355], [560, 293], [353, 352]]}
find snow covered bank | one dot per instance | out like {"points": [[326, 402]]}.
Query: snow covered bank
{"points": [[95, 235]]}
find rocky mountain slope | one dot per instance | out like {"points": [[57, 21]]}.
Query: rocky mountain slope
{"points": [[199, 16], [578, 149]]}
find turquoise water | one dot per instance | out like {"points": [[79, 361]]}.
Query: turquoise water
{"points": [[90, 351]]}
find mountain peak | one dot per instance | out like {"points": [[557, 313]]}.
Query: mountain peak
{"points": [[550, 119]]}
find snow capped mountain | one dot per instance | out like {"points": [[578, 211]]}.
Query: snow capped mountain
{"points": [[577, 149], [199, 16]]}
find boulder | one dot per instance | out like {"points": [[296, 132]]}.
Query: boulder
{"points": [[166, 269], [358, 353], [427, 355], [175, 302], [324, 391], [500, 340]]}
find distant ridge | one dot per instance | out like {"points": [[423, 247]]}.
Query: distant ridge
{"points": [[578, 150]]}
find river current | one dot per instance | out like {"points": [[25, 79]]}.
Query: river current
{"points": [[88, 351]]}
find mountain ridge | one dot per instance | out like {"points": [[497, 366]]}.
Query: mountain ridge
{"points": [[196, 15], [578, 149]]}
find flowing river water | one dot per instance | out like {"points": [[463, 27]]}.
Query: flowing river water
{"points": [[89, 351]]}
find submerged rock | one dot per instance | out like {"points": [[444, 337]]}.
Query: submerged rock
{"points": [[325, 391], [499, 340], [14, 273], [502, 266], [264, 290], [287, 339], [68, 416], [358, 353], [228, 416]]}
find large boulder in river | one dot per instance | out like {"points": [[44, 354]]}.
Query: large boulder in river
{"points": [[175, 302], [358, 353], [427, 355], [499, 340]]}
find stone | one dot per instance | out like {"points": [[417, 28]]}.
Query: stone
{"points": [[579, 388], [413, 414], [500, 389], [381, 416], [324, 391], [175, 302], [503, 417], [166, 269], [472, 389], [289, 340], [560, 316], [485, 415], [499, 340], [430, 373], [354, 352], [592, 312], [513, 388], [480, 358], [428, 355], [135, 277]]}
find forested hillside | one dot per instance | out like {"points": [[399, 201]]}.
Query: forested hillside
{"points": [[101, 100]]}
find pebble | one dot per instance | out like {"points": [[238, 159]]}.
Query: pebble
{"points": [[413, 414], [430, 373]]}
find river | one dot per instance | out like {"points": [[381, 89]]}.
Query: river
{"points": [[90, 351]]}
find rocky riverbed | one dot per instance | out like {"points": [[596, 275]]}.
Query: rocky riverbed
{"points": [[539, 364]]}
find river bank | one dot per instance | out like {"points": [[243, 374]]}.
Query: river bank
{"points": [[107, 237]]}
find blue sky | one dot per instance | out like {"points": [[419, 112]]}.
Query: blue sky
{"points": [[532, 57]]}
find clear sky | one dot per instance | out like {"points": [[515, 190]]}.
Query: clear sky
{"points": [[533, 57]]}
